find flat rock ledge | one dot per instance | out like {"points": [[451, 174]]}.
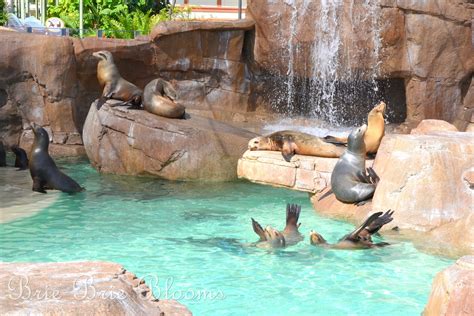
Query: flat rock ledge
{"points": [[301, 173], [453, 290], [78, 288], [123, 141]]}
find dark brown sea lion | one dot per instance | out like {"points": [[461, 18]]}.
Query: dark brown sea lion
{"points": [[360, 238], [115, 87], [375, 130], [158, 98], [3, 155], [43, 170], [21, 159], [292, 142], [349, 180], [272, 238]]}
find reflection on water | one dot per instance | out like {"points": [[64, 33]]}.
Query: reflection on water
{"points": [[198, 236]]}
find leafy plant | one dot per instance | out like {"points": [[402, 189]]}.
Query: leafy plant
{"points": [[3, 13]]}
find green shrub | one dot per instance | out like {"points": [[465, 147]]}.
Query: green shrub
{"points": [[3, 13]]}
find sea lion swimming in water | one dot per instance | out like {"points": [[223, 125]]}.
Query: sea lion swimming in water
{"points": [[43, 170], [360, 238], [272, 238], [115, 87], [375, 130], [292, 142], [158, 98], [21, 159], [349, 180]]}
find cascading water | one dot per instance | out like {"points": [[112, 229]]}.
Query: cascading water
{"points": [[333, 82]]}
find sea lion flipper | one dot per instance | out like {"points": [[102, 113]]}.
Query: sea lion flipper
{"points": [[335, 140], [288, 150], [169, 90], [292, 215], [38, 186], [258, 229], [354, 236], [375, 226], [373, 176]]}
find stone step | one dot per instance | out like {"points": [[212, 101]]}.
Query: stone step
{"points": [[302, 173]]}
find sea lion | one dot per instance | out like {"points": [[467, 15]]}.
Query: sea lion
{"points": [[292, 142], [360, 238], [115, 87], [158, 98], [21, 159], [349, 180], [3, 155], [43, 170], [272, 238], [375, 130]]}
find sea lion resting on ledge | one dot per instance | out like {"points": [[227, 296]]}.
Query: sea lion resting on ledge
{"points": [[115, 87], [375, 130], [292, 142], [349, 180], [360, 238], [158, 98]]}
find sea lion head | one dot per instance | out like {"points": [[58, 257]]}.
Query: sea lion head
{"points": [[379, 109], [104, 55], [41, 137], [355, 141], [260, 143], [274, 237], [315, 238]]}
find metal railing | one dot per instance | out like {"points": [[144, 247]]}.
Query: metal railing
{"points": [[124, 34]]}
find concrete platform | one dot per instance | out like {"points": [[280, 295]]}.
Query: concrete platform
{"points": [[302, 173]]}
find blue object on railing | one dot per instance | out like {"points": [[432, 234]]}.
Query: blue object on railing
{"points": [[29, 29], [100, 33]]}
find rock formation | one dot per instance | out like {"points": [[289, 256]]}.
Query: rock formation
{"points": [[453, 290], [73, 288], [122, 141]]}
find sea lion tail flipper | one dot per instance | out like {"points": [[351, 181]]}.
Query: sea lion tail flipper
{"points": [[292, 215], [169, 90], [381, 244], [373, 176], [101, 102], [355, 234], [335, 140], [288, 150], [375, 226], [38, 186], [258, 229]]}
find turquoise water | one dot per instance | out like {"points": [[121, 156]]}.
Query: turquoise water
{"points": [[189, 241]]}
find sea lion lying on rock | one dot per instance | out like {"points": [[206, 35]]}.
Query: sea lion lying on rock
{"points": [[43, 170], [115, 87], [292, 142], [360, 238], [272, 238], [349, 180], [158, 98], [375, 130]]}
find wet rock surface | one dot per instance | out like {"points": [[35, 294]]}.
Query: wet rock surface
{"points": [[73, 288], [123, 141], [453, 289]]}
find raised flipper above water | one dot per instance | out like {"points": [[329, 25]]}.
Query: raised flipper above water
{"points": [[258, 229], [291, 232]]}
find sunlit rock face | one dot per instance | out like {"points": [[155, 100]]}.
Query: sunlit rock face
{"points": [[330, 58], [78, 288], [51, 80], [452, 290], [122, 141], [428, 179]]}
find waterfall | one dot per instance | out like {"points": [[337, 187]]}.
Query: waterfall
{"points": [[334, 83]]}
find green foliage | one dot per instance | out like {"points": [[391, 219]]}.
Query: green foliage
{"points": [[3, 13], [144, 6], [114, 16]]}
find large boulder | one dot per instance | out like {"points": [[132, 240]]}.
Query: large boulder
{"points": [[123, 141], [428, 181], [78, 288], [430, 126], [452, 291]]}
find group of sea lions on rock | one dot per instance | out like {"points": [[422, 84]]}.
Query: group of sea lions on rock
{"points": [[351, 182], [158, 97], [360, 238]]}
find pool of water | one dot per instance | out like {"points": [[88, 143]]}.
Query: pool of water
{"points": [[189, 241]]}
